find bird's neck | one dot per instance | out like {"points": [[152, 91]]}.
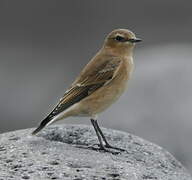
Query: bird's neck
{"points": [[120, 52]]}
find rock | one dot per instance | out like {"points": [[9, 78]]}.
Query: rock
{"points": [[64, 152]]}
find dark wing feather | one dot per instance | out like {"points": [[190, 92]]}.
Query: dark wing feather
{"points": [[83, 88]]}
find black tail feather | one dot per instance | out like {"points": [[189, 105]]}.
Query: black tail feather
{"points": [[42, 125], [62, 107]]}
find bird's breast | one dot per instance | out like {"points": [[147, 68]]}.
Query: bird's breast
{"points": [[119, 83]]}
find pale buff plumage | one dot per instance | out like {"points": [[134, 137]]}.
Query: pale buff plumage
{"points": [[101, 82]]}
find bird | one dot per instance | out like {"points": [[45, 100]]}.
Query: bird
{"points": [[99, 84]]}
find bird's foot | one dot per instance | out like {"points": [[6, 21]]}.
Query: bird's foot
{"points": [[105, 148], [116, 148]]}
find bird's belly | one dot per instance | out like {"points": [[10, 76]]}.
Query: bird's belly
{"points": [[104, 97], [98, 101]]}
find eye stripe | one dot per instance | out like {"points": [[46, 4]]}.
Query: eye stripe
{"points": [[120, 38]]}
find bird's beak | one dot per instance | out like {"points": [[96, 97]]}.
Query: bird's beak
{"points": [[136, 40]]}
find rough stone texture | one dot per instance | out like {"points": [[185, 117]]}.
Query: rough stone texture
{"points": [[63, 152]]}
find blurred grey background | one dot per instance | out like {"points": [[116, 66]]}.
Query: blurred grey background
{"points": [[45, 44]]}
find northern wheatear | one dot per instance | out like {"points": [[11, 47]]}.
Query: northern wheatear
{"points": [[100, 83]]}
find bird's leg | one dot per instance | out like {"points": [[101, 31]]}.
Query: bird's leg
{"points": [[102, 147], [107, 145]]}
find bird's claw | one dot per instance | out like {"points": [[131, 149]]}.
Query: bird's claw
{"points": [[106, 148]]}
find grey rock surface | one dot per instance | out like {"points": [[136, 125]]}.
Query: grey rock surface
{"points": [[64, 152]]}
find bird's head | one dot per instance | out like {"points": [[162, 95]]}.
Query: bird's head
{"points": [[121, 39]]}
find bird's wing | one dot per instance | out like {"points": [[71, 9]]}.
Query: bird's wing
{"points": [[88, 83]]}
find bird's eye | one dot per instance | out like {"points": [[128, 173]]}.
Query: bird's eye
{"points": [[120, 38]]}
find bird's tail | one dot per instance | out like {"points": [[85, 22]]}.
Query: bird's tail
{"points": [[43, 123]]}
